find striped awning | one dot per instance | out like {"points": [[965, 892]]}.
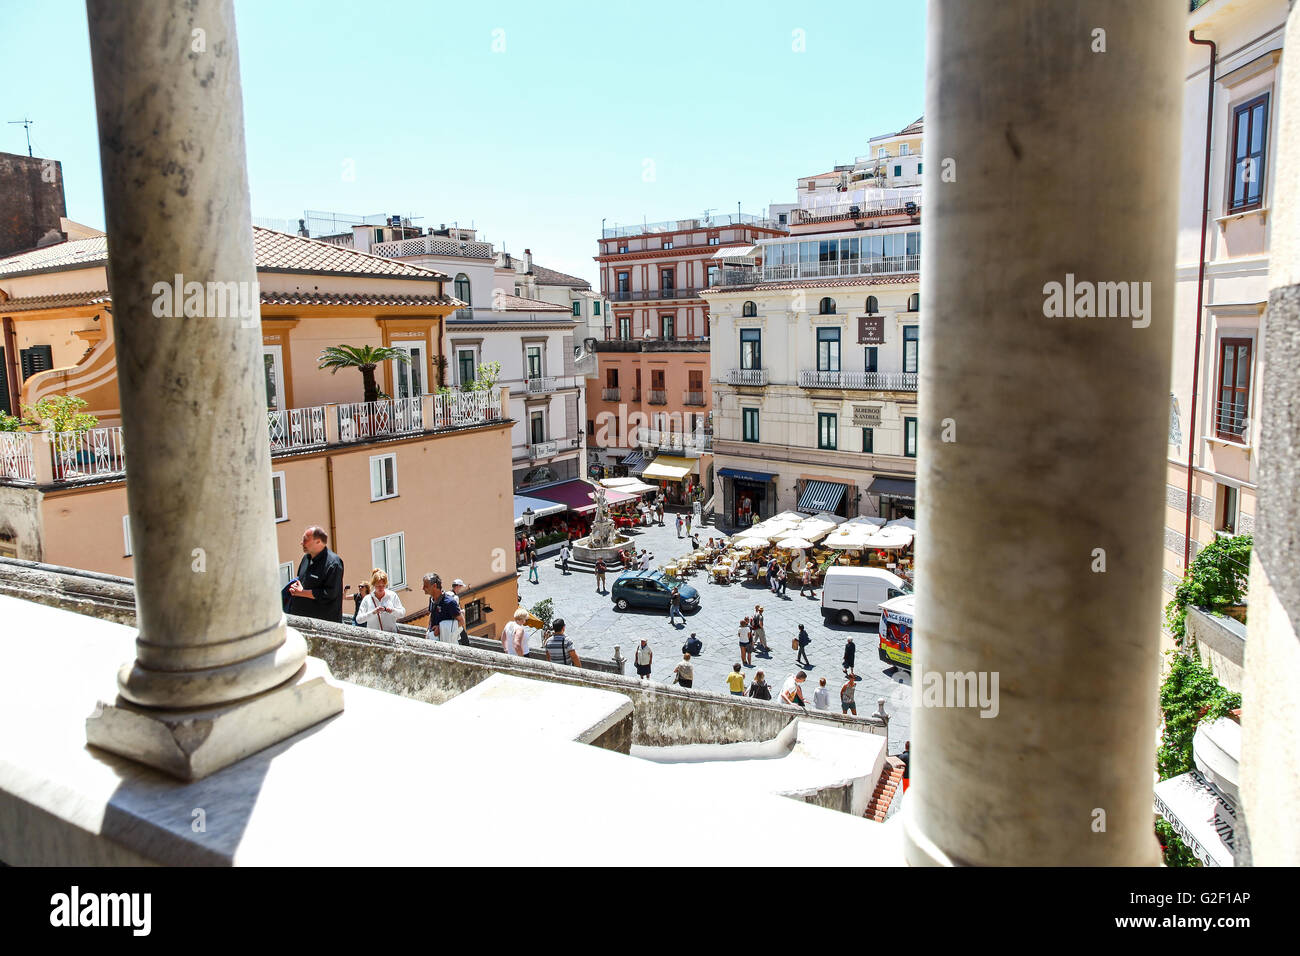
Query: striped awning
{"points": [[635, 462], [821, 496]]}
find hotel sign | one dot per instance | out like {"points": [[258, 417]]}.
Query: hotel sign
{"points": [[866, 416], [871, 330]]}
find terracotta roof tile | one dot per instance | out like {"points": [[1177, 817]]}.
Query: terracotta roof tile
{"points": [[61, 255], [101, 297], [545, 276], [60, 300], [517, 303]]}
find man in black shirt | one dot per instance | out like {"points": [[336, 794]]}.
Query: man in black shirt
{"points": [[318, 592], [850, 652]]}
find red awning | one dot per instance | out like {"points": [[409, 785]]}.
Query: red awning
{"points": [[576, 495]]}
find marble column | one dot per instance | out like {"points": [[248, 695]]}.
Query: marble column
{"points": [[1052, 156], [1270, 750], [217, 673]]}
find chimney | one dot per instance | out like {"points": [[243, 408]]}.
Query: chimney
{"points": [[528, 259]]}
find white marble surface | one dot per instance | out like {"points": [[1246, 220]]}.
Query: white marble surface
{"points": [[388, 781], [517, 705]]}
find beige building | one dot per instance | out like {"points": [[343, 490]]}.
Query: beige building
{"points": [[388, 479]]}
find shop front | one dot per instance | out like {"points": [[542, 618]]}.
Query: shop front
{"points": [[824, 495], [897, 496], [676, 477], [747, 496]]}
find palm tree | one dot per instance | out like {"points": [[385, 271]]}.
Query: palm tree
{"points": [[366, 358]]}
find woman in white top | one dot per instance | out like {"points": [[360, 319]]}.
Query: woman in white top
{"points": [[381, 608], [514, 636]]}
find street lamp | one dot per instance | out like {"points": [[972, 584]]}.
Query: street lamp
{"points": [[529, 517]]}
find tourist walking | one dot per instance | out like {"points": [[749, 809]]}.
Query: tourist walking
{"points": [[689, 518], [445, 616], [792, 690], [559, 649], [803, 640], [805, 582], [760, 632], [600, 575], [679, 526], [643, 659], [781, 581], [362, 590], [684, 672], [317, 591], [659, 510], [675, 607], [847, 703], [693, 646], [771, 575], [745, 636], [736, 681], [645, 560], [760, 689], [822, 696], [565, 553], [850, 652], [381, 608], [514, 636]]}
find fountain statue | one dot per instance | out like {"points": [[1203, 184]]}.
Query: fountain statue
{"points": [[604, 541]]}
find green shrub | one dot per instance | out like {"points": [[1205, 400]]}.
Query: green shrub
{"points": [[1218, 577]]}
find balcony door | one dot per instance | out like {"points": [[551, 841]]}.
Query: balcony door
{"points": [[537, 428], [828, 350], [273, 368], [408, 379], [751, 348]]}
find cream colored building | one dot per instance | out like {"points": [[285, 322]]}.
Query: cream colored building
{"points": [[1226, 367], [815, 350]]}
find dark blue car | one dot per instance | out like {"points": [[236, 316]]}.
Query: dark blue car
{"points": [[652, 589]]}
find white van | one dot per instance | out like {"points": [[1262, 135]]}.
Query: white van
{"points": [[850, 595]]}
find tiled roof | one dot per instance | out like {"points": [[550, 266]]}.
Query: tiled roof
{"points": [[903, 278], [70, 299], [517, 303], [545, 276], [62, 300], [273, 252], [61, 255]]}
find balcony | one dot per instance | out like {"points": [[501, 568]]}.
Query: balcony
{"points": [[681, 225], [690, 443], [296, 428], [545, 384], [610, 394], [361, 421], [652, 295], [635, 395], [868, 381], [433, 246], [693, 398], [888, 265], [746, 376], [658, 397]]}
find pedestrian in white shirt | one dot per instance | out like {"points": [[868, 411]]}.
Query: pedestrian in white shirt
{"points": [[381, 608], [514, 636], [822, 696]]}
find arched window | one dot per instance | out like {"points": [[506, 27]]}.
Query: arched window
{"points": [[827, 306], [914, 302], [873, 305], [749, 310], [462, 293]]}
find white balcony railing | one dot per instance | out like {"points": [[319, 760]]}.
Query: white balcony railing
{"points": [[664, 440], [692, 398], [746, 376], [540, 385], [658, 396], [16, 461], [433, 246], [891, 265], [609, 394], [872, 381], [94, 453], [296, 427], [359, 421], [462, 409]]}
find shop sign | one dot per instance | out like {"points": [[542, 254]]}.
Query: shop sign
{"points": [[866, 416], [871, 330]]}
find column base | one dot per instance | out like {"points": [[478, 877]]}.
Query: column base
{"points": [[918, 849], [191, 744]]}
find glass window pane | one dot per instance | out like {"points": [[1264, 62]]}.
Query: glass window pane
{"points": [[379, 555]]}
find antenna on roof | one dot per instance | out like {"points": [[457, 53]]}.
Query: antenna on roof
{"points": [[26, 124]]}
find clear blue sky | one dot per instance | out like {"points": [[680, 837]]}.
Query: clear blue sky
{"points": [[535, 144]]}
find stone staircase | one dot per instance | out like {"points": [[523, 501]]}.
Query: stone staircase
{"points": [[888, 786]]}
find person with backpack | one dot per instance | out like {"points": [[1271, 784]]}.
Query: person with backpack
{"points": [[760, 633], [684, 672], [803, 640], [675, 607], [760, 689]]}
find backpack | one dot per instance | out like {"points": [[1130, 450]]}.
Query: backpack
{"points": [[760, 691]]}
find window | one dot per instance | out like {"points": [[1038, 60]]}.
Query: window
{"points": [[534, 355], [826, 306], [749, 310], [749, 421], [873, 305], [389, 554], [537, 428], [882, 153], [624, 327], [903, 149], [868, 441], [38, 358], [595, 307], [473, 613], [278, 497], [667, 326], [1225, 509], [1234, 389], [409, 377], [911, 347], [462, 293], [714, 240], [591, 428], [909, 437], [465, 366], [751, 348], [383, 477], [826, 428], [898, 170], [611, 378], [623, 283], [126, 536], [622, 248], [1249, 137], [668, 244], [828, 350], [918, 169], [870, 362], [667, 279], [914, 302], [577, 308], [286, 574]]}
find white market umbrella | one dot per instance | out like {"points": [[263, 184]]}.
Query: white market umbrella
{"points": [[850, 537], [795, 544], [890, 540], [907, 523], [867, 519], [749, 542]]}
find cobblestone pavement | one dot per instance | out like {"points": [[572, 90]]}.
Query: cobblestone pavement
{"points": [[595, 627]]}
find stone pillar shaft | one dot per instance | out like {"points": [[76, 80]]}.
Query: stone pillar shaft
{"points": [[1052, 156]]}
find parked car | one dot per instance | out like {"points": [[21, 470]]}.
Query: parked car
{"points": [[896, 631], [851, 595], [651, 589]]}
